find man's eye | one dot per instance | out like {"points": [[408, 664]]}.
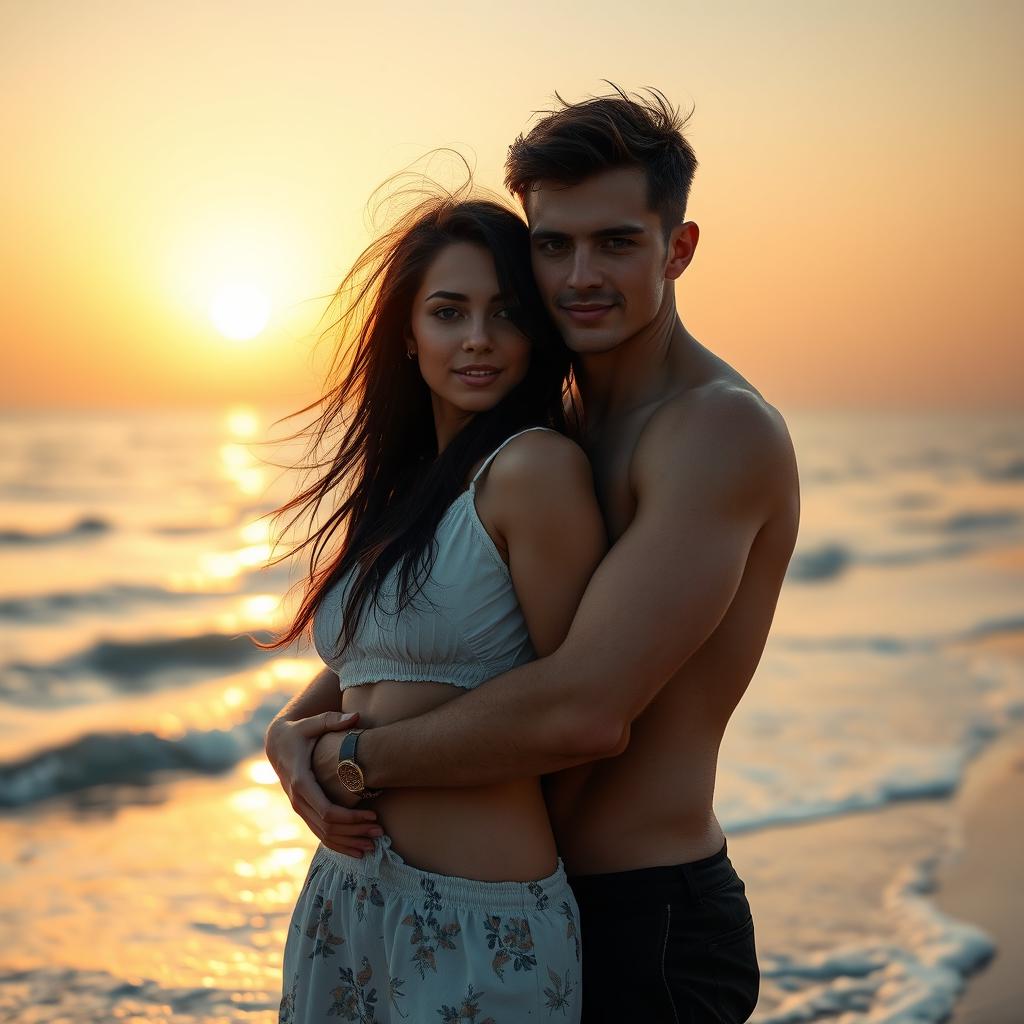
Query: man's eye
{"points": [[443, 311], [552, 246], [619, 243]]}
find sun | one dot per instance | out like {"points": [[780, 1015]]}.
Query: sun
{"points": [[239, 311]]}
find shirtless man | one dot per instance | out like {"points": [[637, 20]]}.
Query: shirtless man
{"points": [[697, 479]]}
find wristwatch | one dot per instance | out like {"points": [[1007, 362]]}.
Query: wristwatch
{"points": [[349, 772]]}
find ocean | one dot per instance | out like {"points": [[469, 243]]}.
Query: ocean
{"points": [[151, 860]]}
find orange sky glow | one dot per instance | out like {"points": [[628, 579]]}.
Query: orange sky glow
{"points": [[858, 191]]}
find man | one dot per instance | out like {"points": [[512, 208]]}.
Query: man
{"points": [[697, 479]]}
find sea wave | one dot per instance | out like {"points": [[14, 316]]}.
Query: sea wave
{"points": [[825, 562], [111, 597], [120, 757], [887, 643], [995, 627], [94, 996], [85, 527], [832, 559], [981, 519], [185, 529], [115, 597], [913, 981], [1009, 471], [130, 666]]}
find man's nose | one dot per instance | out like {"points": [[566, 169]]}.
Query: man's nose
{"points": [[584, 272]]}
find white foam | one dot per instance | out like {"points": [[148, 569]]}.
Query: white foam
{"points": [[914, 978]]}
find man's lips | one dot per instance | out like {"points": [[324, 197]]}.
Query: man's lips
{"points": [[586, 312]]}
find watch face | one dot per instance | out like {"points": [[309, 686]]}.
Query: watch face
{"points": [[351, 776]]}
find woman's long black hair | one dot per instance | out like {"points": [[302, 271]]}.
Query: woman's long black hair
{"points": [[382, 469]]}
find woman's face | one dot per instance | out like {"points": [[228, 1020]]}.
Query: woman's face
{"points": [[469, 352]]}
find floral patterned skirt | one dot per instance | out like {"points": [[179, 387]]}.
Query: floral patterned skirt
{"points": [[376, 940]]}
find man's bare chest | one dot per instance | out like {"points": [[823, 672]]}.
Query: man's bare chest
{"points": [[611, 463]]}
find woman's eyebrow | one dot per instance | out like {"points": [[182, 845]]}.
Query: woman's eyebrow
{"points": [[459, 297]]}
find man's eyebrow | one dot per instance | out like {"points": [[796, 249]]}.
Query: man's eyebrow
{"points": [[621, 229], [543, 235], [459, 297]]}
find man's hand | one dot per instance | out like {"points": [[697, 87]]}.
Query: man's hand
{"points": [[289, 748]]}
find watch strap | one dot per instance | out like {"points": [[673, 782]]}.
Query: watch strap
{"points": [[347, 752], [348, 745]]}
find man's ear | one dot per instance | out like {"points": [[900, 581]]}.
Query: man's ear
{"points": [[682, 244]]}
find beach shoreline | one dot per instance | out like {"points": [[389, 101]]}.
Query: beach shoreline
{"points": [[981, 882], [943, 869]]}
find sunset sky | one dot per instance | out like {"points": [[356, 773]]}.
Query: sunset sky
{"points": [[859, 190]]}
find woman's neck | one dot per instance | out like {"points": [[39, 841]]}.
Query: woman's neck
{"points": [[448, 421]]}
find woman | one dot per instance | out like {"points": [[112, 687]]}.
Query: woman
{"points": [[471, 531]]}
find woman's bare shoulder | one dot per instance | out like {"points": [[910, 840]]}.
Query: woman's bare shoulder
{"points": [[540, 459]]}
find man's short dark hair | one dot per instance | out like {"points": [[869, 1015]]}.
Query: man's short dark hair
{"points": [[579, 140]]}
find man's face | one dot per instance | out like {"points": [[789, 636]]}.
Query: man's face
{"points": [[599, 256]]}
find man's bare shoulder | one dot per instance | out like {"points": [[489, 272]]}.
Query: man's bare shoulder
{"points": [[724, 433]]}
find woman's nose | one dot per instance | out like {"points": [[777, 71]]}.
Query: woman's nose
{"points": [[478, 336]]}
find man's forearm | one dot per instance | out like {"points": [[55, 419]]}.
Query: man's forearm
{"points": [[519, 725], [321, 694]]}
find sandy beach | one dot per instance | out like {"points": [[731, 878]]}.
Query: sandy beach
{"points": [[983, 884], [837, 870]]}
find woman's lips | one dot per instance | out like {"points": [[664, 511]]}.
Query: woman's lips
{"points": [[477, 376]]}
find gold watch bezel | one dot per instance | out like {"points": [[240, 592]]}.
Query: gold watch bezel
{"points": [[352, 777]]}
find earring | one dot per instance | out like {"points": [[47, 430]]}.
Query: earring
{"points": [[410, 354]]}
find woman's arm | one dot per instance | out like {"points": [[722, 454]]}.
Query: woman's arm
{"points": [[320, 694], [538, 496], [289, 744]]}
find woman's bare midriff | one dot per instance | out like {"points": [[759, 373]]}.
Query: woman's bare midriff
{"points": [[491, 833]]}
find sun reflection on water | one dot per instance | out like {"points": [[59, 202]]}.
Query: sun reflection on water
{"points": [[261, 607], [194, 893], [238, 465], [256, 532], [241, 421], [262, 772]]}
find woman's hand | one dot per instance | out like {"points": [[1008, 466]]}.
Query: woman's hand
{"points": [[289, 747]]}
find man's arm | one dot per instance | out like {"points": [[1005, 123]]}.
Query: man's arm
{"points": [[707, 474]]}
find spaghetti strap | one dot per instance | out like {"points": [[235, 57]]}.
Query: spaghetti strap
{"points": [[490, 458]]}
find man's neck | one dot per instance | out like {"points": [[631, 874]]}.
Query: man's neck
{"points": [[640, 370]]}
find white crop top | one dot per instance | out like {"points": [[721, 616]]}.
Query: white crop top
{"points": [[464, 626]]}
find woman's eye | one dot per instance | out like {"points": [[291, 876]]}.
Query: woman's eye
{"points": [[505, 314], [444, 311]]}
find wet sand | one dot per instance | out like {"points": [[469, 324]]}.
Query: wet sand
{"points": [[846, 871], [983, 884]]}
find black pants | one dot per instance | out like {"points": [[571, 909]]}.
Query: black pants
{"points": [[673, 944]]}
